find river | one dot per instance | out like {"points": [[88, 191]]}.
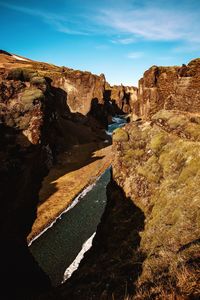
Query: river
{"points": [[63, 245]]}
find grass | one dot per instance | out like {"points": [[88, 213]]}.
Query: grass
{"points": [[66, 180]]}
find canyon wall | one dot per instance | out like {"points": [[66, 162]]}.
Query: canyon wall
{"points": [[25, 120], [169, 88], [147, 244], [39, 118], [122, 98]]}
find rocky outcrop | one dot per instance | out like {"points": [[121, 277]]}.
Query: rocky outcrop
{"points": [[122, 98], [82, 88], [25, 157], [169, 88], [36, 124], [156, 165], [147, 244]]}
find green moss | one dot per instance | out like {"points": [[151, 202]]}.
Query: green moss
{"points": [[133, 154], [163, 114], [193, 130], [28, 74], [158, 141], [22, 74], [30, 96], [190, 170], [15, 74], [177, 121], [151, 169], [38, 80], [120, 135], [172, 159]]}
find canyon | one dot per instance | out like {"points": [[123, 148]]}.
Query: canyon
{"points": [[53, 144]]}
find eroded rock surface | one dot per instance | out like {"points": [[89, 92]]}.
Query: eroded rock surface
{"points": [[169, 88], [36, 124], [147, 244], [123, 98], [25, 158], [157, 166]]}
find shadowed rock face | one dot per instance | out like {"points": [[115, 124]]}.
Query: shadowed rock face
{"points": [[169, 88], [147, 244], [35, 125], [81, 89], [25, 158], [123, 98]]}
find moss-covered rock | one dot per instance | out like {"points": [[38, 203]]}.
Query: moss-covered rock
{"points": [[158, 167], [22, 74], [120, 135], [31, 97]]}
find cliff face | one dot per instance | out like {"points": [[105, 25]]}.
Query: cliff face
{"points": [[156, 165], [147, 244], [123, 98], [82, 88], [80, 91], [169, 88], [25, 158], [36, 124]]}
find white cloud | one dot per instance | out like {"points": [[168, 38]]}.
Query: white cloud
{"points": [[187, 47], [152, 23], [128, 21], [124, 41], [135, 55]]}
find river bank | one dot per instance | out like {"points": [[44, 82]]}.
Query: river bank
{"points": [[75, 170]]}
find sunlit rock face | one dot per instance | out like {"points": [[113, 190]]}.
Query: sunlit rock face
{"points": [[148, 238], [122, 98], [82, 89], [169, 88], [157, 166]]}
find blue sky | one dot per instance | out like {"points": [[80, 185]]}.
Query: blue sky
{"points": [[120, 38]]}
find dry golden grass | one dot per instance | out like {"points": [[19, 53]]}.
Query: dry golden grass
{"points": [[66, 180]]}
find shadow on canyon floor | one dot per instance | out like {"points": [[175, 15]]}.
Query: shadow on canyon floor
{"points": [[62, 168], [114, 263]]}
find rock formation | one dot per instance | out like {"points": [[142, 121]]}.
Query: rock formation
{"points": [[169, 88], [36, 123], [156, 165], [122, 98], [147, 244], [25, 154]]}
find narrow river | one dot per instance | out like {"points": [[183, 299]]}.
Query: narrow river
{"points": [[56, 249]]}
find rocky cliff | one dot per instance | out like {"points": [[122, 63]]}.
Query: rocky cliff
{"points": [[25, 120], [44, 110], [169, 88], [122, 98], [147, 244]]}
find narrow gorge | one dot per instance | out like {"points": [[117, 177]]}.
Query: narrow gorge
{"points": [[81, 158]]}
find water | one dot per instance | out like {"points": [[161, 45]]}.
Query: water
{"points": [[118, 121], [60, 248]]}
